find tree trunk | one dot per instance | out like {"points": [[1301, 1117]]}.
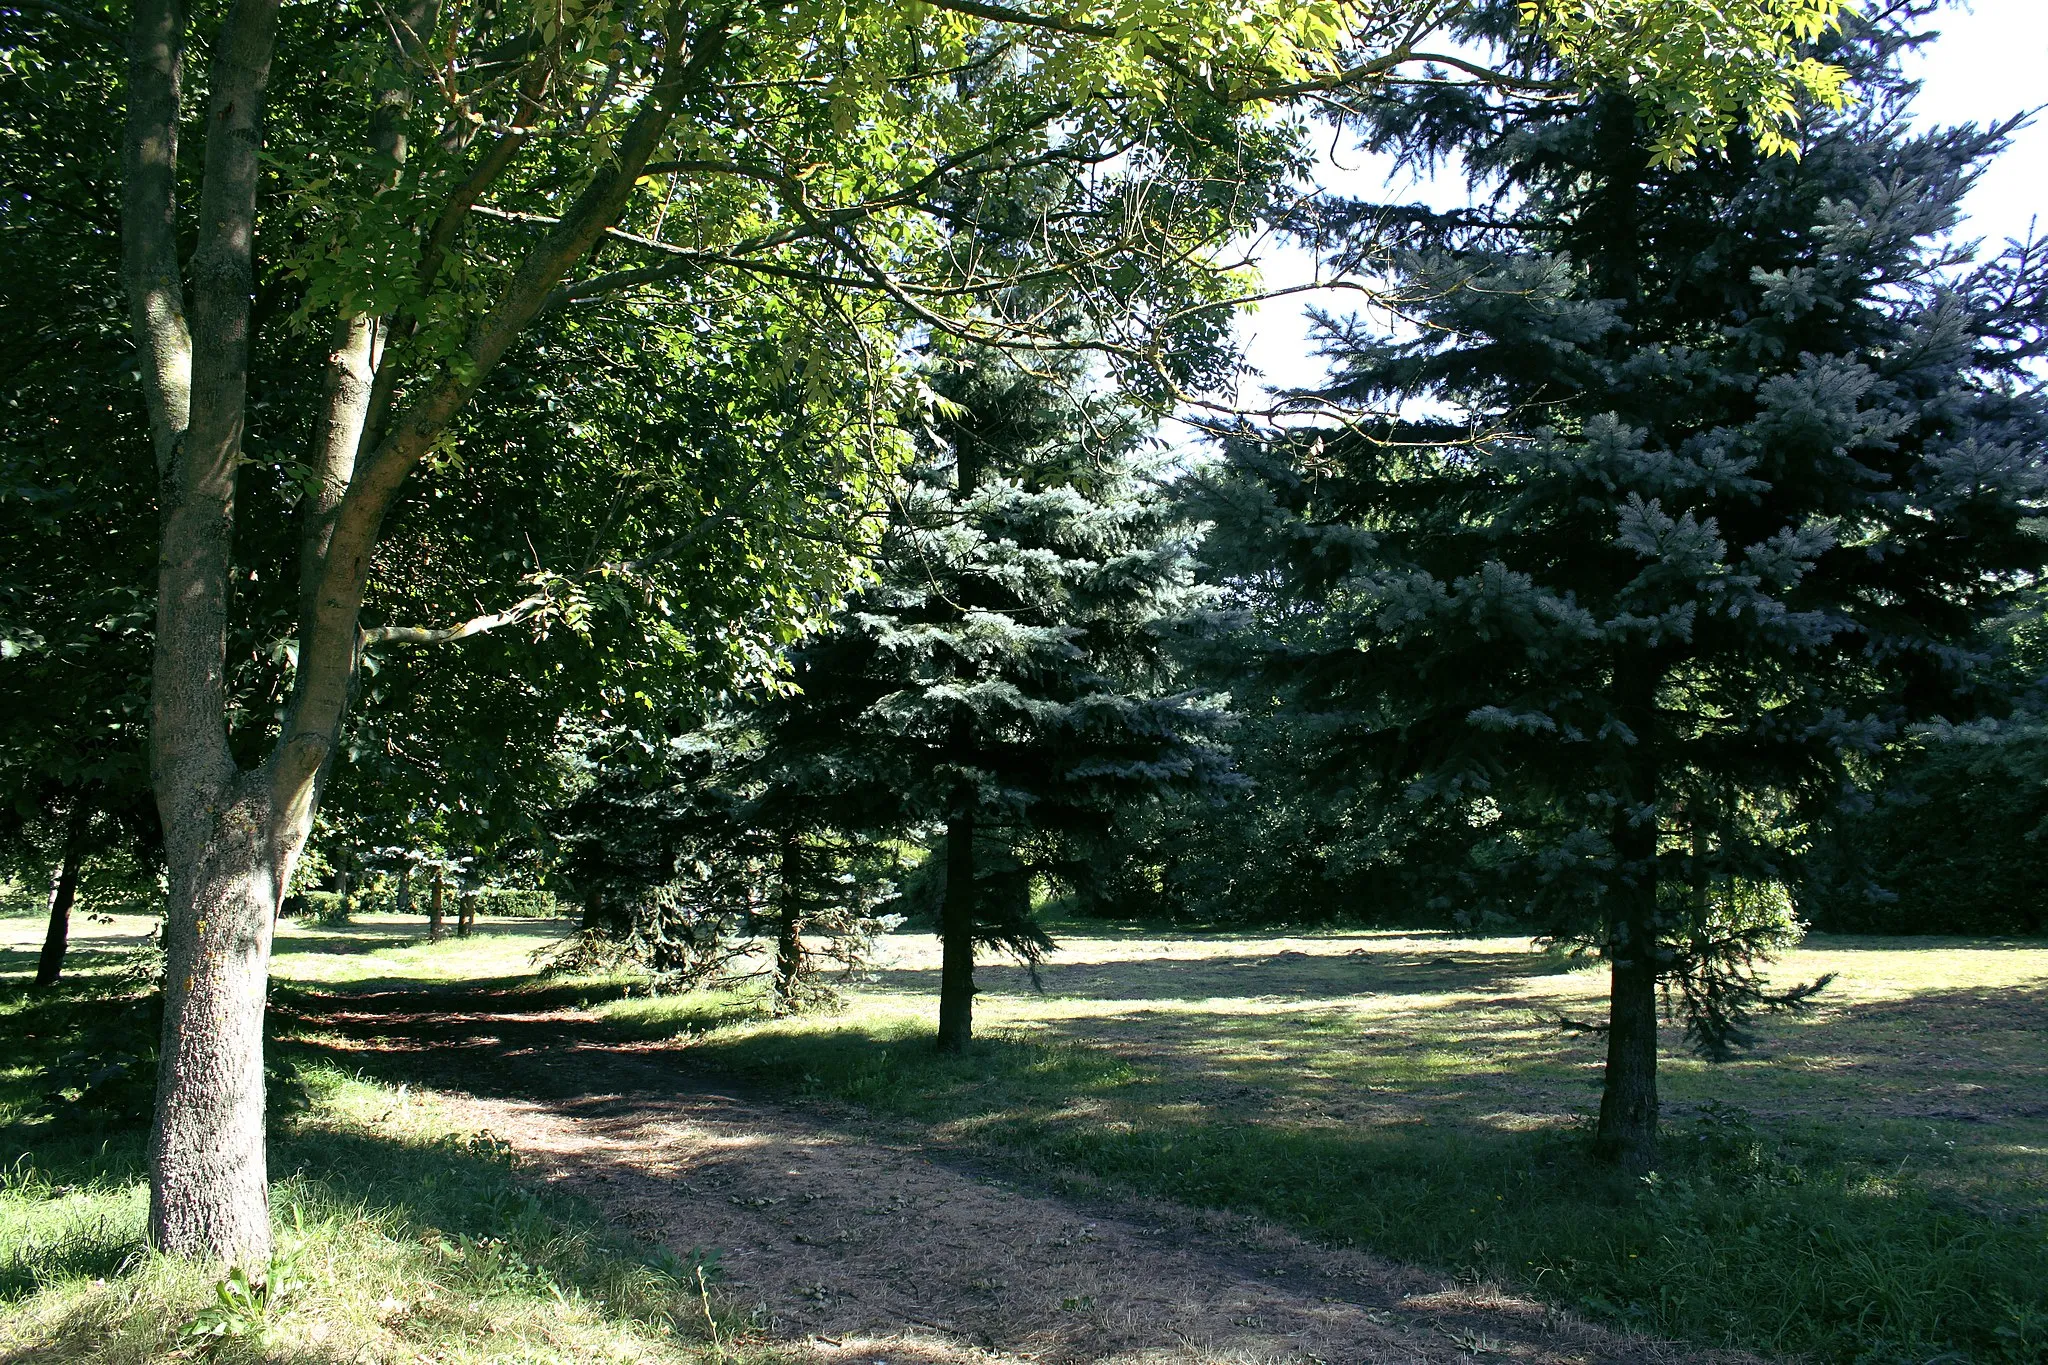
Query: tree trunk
{"points": [[434, 906], [57, 939], [209, 1187], [956, 934], [465, 913], [403, 902], [231, 837], [789, 937], [1627, 1135]]}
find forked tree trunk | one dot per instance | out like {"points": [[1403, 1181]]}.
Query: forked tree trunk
{"points": [[956, 935], [789, 935], [57, 938], [434, 907], [232, 837], [209, 1187]]}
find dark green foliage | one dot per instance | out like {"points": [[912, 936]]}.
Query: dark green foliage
{"points": [[1950, 834], [1732, 465], [1281, 849], [75, 501], [694, 866], [1006, 682], [1953, 841]]}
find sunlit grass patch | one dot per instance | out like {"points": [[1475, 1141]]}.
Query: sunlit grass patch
{"points": [[397, 1240], [1418, 1098], [395, 950]]}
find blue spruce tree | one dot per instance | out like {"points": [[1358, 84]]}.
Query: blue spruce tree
{"points": [[1004, 686], [1683, 493]]}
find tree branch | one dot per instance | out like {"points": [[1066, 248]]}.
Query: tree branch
{"points": [[332, 640], [530, 606], [476, 625], [1003, 14], [78, 18]]}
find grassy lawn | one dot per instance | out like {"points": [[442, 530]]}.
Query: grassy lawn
{"points": [[1869, 1186], [398, 1239]]}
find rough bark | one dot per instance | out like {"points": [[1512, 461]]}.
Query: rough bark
{"points": [[1627, 1135], [465, 913], [232, 837], [956, 935], [434, 907], [789, 939], [57, 937], [209, 1185], [227, 836]]}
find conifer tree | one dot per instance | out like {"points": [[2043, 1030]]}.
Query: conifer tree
{"points": [[1687, 491], [704, 867], [1004, 683]]}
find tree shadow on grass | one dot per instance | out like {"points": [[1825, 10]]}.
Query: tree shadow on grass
{"points": [[20, 963], [51, 1244], [1777, 1236], [1285, 975]]}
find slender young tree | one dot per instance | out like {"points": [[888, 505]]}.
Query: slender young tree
{"points": [[1687, 488]]}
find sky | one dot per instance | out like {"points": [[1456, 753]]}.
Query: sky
{"points": [[1990, 62]]}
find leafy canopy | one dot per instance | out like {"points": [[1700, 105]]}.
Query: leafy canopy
{"points": [[1700, 70]]}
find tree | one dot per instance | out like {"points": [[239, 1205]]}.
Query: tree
{"points": [[1002, 681], [1685, 492], [710, 868], [441, 179]]}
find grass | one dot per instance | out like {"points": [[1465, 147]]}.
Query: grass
{"points": [[398, 1240], [1869, 1186]]}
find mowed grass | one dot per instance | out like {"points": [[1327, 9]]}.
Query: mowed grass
{"points": [[398, 1239], [1870, 1185]]}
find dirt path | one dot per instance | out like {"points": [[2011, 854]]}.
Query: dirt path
{"points": [[874, 1249]]}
